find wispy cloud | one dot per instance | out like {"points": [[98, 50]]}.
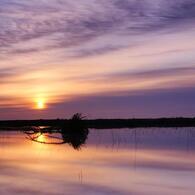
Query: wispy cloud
{"points": [[67, 24]]}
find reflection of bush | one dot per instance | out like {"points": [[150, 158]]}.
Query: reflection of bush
{"points": [[74, 134], [75, 138]]}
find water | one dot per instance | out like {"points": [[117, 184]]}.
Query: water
{"points": [[117, 162]]}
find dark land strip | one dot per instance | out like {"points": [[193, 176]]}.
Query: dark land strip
{"points": [[102, 123]]}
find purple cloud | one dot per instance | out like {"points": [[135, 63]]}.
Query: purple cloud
{"points": [[68, 24]]}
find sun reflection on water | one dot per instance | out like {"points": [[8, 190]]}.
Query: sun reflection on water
{"points": [[41, 138]]}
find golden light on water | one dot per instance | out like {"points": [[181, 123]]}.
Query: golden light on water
{"points": [[41, 138]]}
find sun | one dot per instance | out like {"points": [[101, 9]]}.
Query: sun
{"points": [[40, 104]]}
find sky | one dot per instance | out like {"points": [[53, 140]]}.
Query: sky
{"points": [[104, 58]]}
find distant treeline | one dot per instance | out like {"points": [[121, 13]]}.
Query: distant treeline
{"points": [[105, 123]]}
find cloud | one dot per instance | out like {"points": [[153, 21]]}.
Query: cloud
{"points": [[150, 74], [67, 24], [148, 103], [153, 103]]}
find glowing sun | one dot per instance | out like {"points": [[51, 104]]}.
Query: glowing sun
{"points": [[40, 104]]}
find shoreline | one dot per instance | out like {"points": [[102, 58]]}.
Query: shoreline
{"points": [[105, 123]]}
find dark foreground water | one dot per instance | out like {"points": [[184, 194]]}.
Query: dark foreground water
{"points": [[112, 162]]}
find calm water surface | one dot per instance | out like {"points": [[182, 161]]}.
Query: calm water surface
{"points": [[117, 162]]}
